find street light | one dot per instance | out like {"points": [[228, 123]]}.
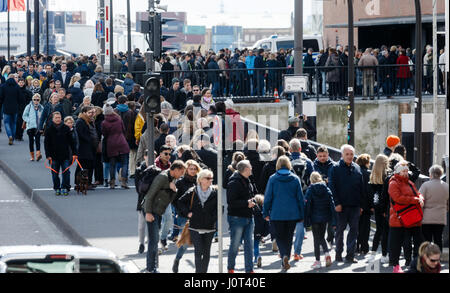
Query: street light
{"points": [[418, 98]]}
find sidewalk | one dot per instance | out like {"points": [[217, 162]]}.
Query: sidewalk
{"points": [[108, 219]]}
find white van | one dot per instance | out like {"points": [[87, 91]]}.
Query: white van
{"points": [[275, 43]]}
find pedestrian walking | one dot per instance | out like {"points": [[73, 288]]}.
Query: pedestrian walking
{"points": [[59, 144], [362, 245], [10, 99], [240, 201], [319, 211], [160, 195], [284, 207], [402, 192], [378, 186], [347, 185], [188, 181], [31, 117], [435, 193], [199, 204], [87, 143]]}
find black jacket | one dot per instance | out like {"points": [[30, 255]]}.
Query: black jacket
{"points": [[98, 98], [183, 185], [366, 201], [86, 148], [239, 191], [323, 168], [203, 217], [257, 166], [347, 185], [11, 97], [288, 134], [59, 143], [309, 150], [268, 170], [209, 158]]}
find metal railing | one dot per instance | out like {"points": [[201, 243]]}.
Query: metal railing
{"points": [[325, 81]]}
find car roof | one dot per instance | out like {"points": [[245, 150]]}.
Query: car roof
{"points": [[41, 251]]}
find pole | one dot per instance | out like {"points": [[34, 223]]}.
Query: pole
{"points": [[129, 35], [151, 139], [111, 40], [47, 33], [435, 85], [28, 29], [36, 27], [298, 51], [9, 39], [418, 99], [351, 76], [220, 191]]}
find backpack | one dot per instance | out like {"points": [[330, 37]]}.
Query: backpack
{"points": [[299, 166], [143, 180]]}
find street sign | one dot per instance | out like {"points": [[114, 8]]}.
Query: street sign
{"points": [[296, 84]]}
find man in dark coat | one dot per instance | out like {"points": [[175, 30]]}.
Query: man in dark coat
{"points": [[26, 99], [64, 76], [347, 185], [309, 67], [288, 134], [59, 145], [10, 100]]}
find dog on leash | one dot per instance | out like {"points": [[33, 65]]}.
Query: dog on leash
{"points": [[82, 182]]}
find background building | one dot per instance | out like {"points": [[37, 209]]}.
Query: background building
{"points": [[379, 22]]}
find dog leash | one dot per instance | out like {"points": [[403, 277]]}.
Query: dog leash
{"points": [[53, 170]]}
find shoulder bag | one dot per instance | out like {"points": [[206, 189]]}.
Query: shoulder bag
{"points": [[185, 236]]}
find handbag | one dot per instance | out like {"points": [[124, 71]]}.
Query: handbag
{"points": [[185, 237], [24, 125], [409, 215]]}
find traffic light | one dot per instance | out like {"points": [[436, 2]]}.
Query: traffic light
{"points": [[159, 37], [152, 94]]}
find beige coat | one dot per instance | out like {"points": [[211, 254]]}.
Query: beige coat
{"points": [[435, 209]]}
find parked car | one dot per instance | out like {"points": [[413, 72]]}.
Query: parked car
{"points": [[61, 259]]}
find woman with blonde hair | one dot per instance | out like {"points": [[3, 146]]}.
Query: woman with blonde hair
{"points": [[379, 200], [73, 80], [199, 204], [319, 211], [6, 71], [428, 260], [188, 181]]}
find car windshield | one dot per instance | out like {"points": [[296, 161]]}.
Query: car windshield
{"points": [[61, 266]]}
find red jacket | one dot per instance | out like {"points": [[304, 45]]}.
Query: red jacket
{"points": [[237, 131], [400, 192], [403, 71]]}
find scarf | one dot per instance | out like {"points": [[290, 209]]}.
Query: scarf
{"points": [[203, 195], [427, 269]]}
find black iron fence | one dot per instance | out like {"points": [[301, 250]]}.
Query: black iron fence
{"points": [[324, 82]]}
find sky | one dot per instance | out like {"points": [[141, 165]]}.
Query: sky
{"points": [[261, 13]]}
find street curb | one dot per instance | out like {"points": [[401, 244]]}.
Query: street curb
{"points": [[54, 217]]}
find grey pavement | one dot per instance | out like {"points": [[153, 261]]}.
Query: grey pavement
{"points": [[108, 219]]}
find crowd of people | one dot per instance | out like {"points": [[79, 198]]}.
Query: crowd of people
{"points": [[278, 190]]}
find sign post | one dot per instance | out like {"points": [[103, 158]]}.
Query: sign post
{"points": [[298, 83], [217, 131]]}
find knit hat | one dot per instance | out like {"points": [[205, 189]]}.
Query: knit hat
{"points": [[76, 84], [402, 165], [392, 141], [108, 110]]}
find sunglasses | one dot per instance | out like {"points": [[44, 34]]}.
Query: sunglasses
{"points": [[208, 178], [36, 100], [196, 90], [434, 260], [166, 154]]}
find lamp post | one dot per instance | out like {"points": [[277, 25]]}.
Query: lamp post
{"points": [[28, 29], [418, 94], [351, 76], [129, 35], [36, 27], [298, 51]]}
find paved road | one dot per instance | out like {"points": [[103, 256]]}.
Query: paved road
{"points": [[108, 219], [21, 222]]}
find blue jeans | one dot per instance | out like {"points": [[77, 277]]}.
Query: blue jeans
{"points": [[240, 229], [153, 239], [57, 165], [350, 216], [10, 124], [182, 249], [256, 241], [167, 222], [299, 236]]}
